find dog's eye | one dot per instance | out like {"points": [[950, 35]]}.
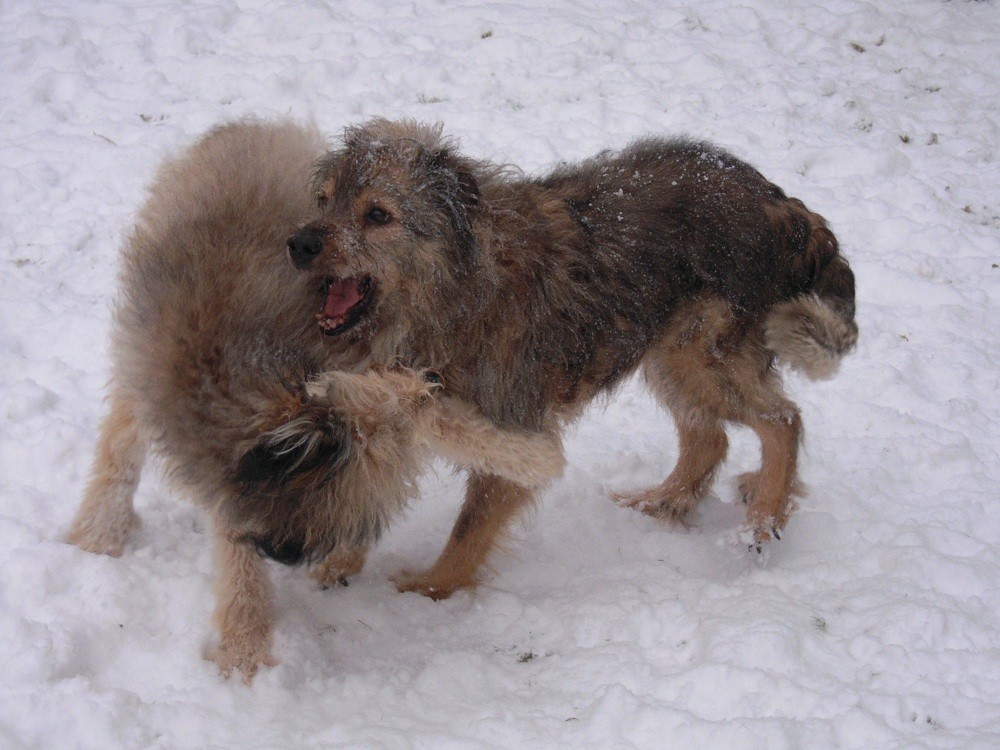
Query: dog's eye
{"points": [[378, 216], [321, 201]]}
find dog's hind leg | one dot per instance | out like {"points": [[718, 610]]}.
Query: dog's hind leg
{"points": [[703, 446], [769, 492], [682, 370], [491, 503], [244, 612], [755, 397], [106, 515]]}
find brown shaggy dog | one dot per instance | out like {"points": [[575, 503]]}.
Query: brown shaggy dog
{"points": [[532, 296], [219, 369]]}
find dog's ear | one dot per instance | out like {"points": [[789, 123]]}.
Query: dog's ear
{"points": [[459, 176], [454, 183], [311, 447], [325, 167]]}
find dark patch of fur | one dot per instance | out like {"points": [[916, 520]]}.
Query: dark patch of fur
{"points": [[286, 551], [319, 447]]}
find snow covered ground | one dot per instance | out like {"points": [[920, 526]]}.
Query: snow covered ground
{"points": [[875, 623]]}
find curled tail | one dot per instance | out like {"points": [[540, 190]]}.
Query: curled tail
{"points": [[812, 331]]}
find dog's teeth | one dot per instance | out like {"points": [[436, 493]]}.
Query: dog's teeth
{"points": [[329, 323]]}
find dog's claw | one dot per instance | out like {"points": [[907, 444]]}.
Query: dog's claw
{"points": [[336, 568], [774, 531], [341, 581]]}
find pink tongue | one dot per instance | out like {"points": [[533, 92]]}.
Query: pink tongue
{"points": [[343, 295]]}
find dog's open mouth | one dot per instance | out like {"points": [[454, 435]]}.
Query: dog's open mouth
{"points": [[347, 301]]}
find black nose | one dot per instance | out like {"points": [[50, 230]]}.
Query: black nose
{"points": [[304, 246]]}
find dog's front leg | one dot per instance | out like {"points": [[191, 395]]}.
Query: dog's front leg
{"points": [[491, 503], [244, 612], [106, 515], [465, 436]]}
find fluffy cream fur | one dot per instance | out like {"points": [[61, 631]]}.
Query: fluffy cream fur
{"points": [[212, 352]]}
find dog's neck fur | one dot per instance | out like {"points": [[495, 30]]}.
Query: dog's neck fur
{"points": [[491, 350]]}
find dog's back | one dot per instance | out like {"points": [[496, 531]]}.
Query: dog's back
{"points": [[671, 219]]}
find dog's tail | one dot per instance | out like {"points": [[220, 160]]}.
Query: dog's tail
{"points": [[813, 330]]}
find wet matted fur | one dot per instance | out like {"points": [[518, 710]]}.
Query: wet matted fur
{"points": [[532, 296], [218, 368]]}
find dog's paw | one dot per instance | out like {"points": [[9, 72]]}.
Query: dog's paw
{"points": [[761, 528], [242, 656], [103, 534], [317, 441], [429, 585], [334, 569], [670, 507], [758, 533], [758, 539]]}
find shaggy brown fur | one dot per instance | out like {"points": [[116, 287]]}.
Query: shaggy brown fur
{"points": [[217, 367], [532, 296]]}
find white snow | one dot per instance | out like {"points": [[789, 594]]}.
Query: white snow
{"points": [[874, 623]]}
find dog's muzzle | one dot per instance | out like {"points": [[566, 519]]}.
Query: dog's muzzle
{"points": [[304, 246]]}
